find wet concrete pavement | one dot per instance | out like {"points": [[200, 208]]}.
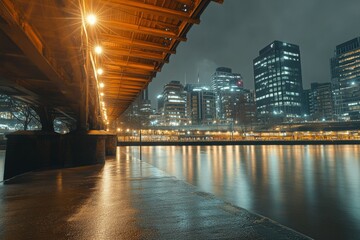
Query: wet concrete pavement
{"points": [[123, 199]]}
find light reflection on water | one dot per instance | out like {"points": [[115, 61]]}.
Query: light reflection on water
{"points": [[313, 189], [2, 163]]}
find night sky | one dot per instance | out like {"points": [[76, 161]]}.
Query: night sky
{"points": [[231, 35]]}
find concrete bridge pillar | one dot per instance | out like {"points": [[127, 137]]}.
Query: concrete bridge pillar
{"points": [[46, 118], [37, 150], [31, 150], [80, 149], [111, 144]]}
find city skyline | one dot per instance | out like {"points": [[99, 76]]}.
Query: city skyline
{"points": [[278, 88], [235, 43]]}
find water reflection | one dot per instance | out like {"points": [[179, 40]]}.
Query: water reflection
{"points": [[313, 189]]}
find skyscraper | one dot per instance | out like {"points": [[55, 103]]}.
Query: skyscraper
{"points": [[139, 111], [245, 108], [321, 102], [345, 77], [307, 98], [226, 85], [200, 104], [172, 104], [145, 105], [278, 82]]}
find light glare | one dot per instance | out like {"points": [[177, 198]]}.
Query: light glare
{"points": [[91, 19], [98, 49], [102, 85], [100, 71]]}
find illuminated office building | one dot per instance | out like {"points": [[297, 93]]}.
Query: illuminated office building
{"points": [[172, 105], [245, 113], [226, 85], [200, 104], [307, 96], [320, 100], [278, 82], [345, 77], [139, 111]]}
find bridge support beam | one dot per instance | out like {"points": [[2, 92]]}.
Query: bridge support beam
{"points": [[110, 145], [46, 118], [37, 150], [31, 150]]}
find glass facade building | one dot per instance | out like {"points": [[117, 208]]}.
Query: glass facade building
{"points": [[320, 100], [278, 82], [226, 84], [139, 111], [200, 104], [172, 105], [245, 108], [345, 77]]}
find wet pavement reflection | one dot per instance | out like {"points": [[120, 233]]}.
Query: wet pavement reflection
{"points": [[123, 199], [312, 189]]}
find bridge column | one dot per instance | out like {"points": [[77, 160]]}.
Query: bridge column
{"points": [[31, 150], [36, 150], [82, 123], [46, 118], [83, 148], [111, 144]]}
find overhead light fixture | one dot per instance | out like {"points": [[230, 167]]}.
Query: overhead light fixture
{"points": [[98, 49], [102, 94], [91, 19], [102, 85], [100, 71]]}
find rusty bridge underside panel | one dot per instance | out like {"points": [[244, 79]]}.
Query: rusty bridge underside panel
{"points": [[47, 52]]}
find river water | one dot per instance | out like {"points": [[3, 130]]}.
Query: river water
{"points": [[312, 189]]}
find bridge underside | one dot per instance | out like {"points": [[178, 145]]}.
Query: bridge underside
{"points": [[86, 61], [47, 52]]}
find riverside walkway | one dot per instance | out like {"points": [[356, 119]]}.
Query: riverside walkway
{"points": [[123, 199]]}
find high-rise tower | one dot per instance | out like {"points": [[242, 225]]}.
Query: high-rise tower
{"points": [[200, 104], [278, 82], [345, 77], [226, 84], [172, 104]]}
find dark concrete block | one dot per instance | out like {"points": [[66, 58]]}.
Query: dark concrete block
{"points": [[111, 144], [83, 149], [31, 150], [35, 150]]}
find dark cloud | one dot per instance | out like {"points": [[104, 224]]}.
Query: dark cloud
{"points": [[232, 34]]}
